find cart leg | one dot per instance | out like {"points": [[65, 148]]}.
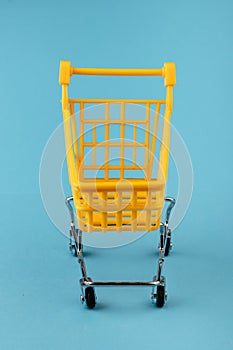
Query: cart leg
{"points": [[161, 252], [76, 246], [167, 230], [164, 248], [79, 248], [72, 246], [88, 293], [165, 236], [159, 294]]}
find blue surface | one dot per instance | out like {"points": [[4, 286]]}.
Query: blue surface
{"points": [[39, 290]]}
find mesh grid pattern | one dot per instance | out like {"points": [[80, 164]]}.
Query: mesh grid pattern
{"points": [[114, 146]]}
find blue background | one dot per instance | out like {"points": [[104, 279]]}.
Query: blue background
{"points": [[39, 290]]}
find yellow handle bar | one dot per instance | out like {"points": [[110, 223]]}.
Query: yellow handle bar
{"points": [[168, 72], [117, 71]]}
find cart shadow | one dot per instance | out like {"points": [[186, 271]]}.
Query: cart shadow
{"points": [[153, 253], [88, 253], [177, 253], [171, 304], [102, 306]]}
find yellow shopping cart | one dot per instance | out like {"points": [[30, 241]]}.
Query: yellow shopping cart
{"points": [[112, 191]]}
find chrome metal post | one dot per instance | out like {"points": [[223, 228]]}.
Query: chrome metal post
{"points": [[76, 235], [79, 247], [165, 232], [72, 220], [170, 207]]}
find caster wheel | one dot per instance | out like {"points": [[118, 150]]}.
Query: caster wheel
{"points": [[73, 249], [90, 297], [160, 298], [168, 246]]}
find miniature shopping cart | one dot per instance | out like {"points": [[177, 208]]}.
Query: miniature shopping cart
{"points": [[115, 192]]}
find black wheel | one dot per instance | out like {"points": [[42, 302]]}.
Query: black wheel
{"points": [[167, 246], [90, 297], [160, 299]]}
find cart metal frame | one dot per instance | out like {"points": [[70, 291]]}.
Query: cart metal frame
{"points": [[165, 245]]}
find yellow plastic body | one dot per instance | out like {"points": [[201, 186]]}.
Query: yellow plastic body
{"points": [[106, 204]]}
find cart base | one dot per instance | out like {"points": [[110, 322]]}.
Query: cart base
{"points": [[87, 284]]}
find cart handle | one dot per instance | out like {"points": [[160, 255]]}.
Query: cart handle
{"points": [[118, 71], [168, 72]]}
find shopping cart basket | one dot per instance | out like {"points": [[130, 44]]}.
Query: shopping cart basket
{"points": [[106, 193]]}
